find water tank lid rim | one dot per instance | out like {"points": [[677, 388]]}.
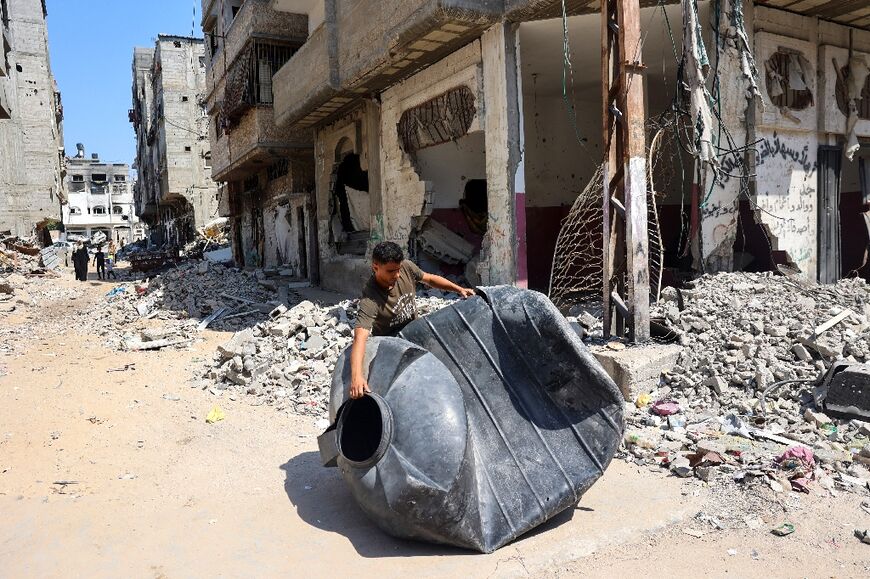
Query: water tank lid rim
{"points": [[386, 432]]}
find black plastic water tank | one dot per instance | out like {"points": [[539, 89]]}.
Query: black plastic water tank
{"points": [[486, 419]]}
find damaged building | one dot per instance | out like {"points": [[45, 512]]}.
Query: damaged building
{"points": [[100, 199], [31, 121], [265, 170], [174, 193], [471, 133]]}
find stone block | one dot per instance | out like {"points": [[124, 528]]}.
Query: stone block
{"points": [[634, 367]]}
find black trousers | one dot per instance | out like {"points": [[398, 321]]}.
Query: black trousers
{"points": [[101, 270]]}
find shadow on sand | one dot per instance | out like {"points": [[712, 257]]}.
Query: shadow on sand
{"points": [[323, 501]]}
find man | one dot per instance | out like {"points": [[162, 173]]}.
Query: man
{"points": [[388, 304], [100, 261]]}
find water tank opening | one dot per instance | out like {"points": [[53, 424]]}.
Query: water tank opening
{"points": [[362, 430]]}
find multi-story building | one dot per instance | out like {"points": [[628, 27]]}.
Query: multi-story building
{"points": [[100, 199], [174, 192], [31, 121], [466, 130], [266, 172]]}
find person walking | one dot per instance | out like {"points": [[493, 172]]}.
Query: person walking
{"points": [[80, 262], [100, 261], [110, 262]]}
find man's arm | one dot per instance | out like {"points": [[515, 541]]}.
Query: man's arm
{"points": [[358, 384], [445, 284]]}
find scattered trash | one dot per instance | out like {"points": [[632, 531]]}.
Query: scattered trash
{"points": [[124, 368], [783, 530], [116, 291], [215, 415], [665, 408], [863, 535], [171, 397], [643, 400]]}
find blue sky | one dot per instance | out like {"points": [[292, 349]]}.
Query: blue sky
{"points": [[91, 44]]}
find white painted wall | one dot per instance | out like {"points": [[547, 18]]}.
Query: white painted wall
{"points": [[447, 167]]}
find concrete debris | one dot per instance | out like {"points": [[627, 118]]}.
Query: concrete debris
{"points": [[743, 333], [287, 360], [25, 256], [183, 297]]}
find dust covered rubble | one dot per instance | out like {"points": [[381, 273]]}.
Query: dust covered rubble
{"points": [[181, 298], [287, 361], [742, 333]]}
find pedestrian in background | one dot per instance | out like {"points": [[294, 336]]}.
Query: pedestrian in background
{"points": [[110, 262], [80, 262], [100, 261]]}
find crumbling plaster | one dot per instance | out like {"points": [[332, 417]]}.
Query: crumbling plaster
{"points": [[783, 160], [400, 183], [355, 132]]}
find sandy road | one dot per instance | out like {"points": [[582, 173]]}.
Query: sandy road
{"points": [[106, 474]]}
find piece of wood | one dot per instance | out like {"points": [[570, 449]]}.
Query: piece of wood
{"points": [[831, 323], [155, 344], [237, 298]]}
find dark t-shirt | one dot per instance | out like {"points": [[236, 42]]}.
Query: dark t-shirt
{"points": [[101, 257], [385, 312]]}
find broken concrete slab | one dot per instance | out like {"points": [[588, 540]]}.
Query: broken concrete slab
{"points": [[241, 344], [632, 367]]}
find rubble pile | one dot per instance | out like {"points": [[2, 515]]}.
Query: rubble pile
{"points": [[185, 297], [19, 256], [288, 360], [743, 334]]}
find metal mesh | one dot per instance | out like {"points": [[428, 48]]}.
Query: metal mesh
{"points": [[576, 275]]}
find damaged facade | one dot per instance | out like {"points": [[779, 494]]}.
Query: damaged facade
{"points": [[31, 121], [465, 131], [100, 199], [265, 171], [174, 193]]}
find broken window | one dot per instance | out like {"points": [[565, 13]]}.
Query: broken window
{"points": [[78, 178], [117, 210], [278, 169], [249, 80], [444, 118], [99, 210], [75, 211], [184, 99], [120, 178], [788, 80], [98, 177], [187, 149]]}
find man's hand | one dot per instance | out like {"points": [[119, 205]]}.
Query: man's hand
{"points": [[445, 284], [359, 387]]}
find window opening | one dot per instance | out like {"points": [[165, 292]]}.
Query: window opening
{"points": [[788, 74]]}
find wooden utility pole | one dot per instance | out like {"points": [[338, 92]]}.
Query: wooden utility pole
{"points": [[625, 238]]}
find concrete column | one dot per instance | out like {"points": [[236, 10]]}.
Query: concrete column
{"points": [[504, 172]]}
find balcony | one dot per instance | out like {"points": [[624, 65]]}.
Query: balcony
{"points": [[254, 20], [400, 38], [256, 142]]}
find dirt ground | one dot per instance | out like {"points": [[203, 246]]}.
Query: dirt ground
{"points": [[116, 473]]}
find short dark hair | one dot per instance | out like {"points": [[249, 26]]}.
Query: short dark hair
{"points": [[387, 252]]}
